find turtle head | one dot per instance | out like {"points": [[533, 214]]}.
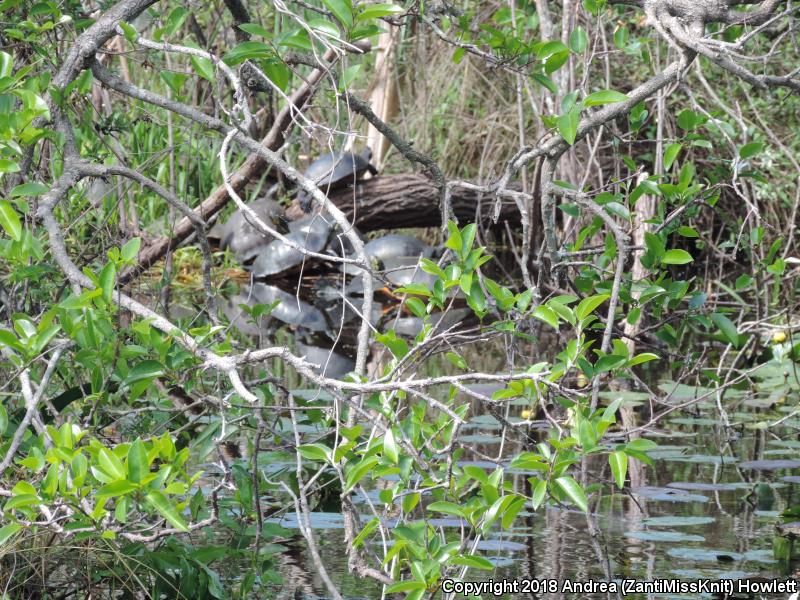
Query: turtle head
{"points": [[305, 201]]}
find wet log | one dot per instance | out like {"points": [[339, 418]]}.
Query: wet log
{"points": [[409, 200]]}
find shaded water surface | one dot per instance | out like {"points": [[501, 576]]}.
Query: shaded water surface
{"points": [[707, 509]]}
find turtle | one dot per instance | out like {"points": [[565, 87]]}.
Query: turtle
{"points": [[290, 309], [339, 302], [336, 170], [241, 238], [276, 257], [392, 246], [331, 363], [411, 326], [402, 270]]}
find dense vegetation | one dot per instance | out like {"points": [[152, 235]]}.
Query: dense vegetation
{"points": [[612, 196]]}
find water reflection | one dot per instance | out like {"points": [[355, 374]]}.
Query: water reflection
{"points": [[686, 518]]}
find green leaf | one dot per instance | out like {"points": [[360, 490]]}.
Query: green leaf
{"points": [[545, 82], [130, 250], [167, 510], [9, 531], [568, 124], [130, 31], [454, 239], [376, 11], [641, 445], [578, 40], [175, 19], [108, 277], [468, 238], [21, 501], [539, 493], [589, 304], [390, 447], [727, 327], [670, 154], [750, 149], [642, 358], [476, 300], [147, 369], [619, 467], [138, 465], [546, 314], [110, 464], [8, 166], [573, 491], [6, 64], [457, 360], [414, 288], [319, 452], [255, 29], [676, 257], [688, 232], [342, 10], [604, 97], [368, 529], [609, 362], [406, 586], [9, 221], [448, 508], [29, 189], [3, 420], [118, 488], [476, 562], [359, 471]]}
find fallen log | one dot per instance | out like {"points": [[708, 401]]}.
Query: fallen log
{"points": [[409, 200]]}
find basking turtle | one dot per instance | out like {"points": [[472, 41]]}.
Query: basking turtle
{"points": [[402, 270], [334, 171], [331, 363], [411, 326], [276, 257], [290, 309], [391, 247], [241, 238]]}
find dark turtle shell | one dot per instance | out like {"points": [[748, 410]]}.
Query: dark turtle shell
{"points": [[277, 257], [396, 245], [403, 270], [331, 363], [335, 170], [290, 309], [392, 247], [240, 237]]}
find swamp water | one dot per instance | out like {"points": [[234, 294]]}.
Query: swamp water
{"points": [[707, 509]]}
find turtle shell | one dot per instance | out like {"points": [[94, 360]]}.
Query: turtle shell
{"points": [[391, 247], [290, 309], [403, 270], [394, 246], [331, 363], [277, 257], [335, 170], [239, 236]]}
